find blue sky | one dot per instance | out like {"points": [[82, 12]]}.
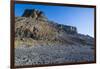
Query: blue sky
{"points": [[82, 18]]}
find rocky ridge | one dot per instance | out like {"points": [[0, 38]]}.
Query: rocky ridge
{"points": [[37, 37]]}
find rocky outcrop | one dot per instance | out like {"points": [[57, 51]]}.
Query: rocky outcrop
{"points": [[68, 29], [37, 14], [34, 24], [40, 15], [40, 41]]}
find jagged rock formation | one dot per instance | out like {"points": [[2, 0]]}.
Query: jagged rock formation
{"points": [[40, 15], [41, 41], [34, 14], [34, 24]]}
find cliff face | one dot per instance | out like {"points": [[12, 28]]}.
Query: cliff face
{"points": [[34, 14], [35, 25], [39, 15], [41, 41]]}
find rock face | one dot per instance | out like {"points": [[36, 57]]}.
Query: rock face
{"points": [[34, 24], [68, 29], [40, 15], [34, 14], [41, 41]]}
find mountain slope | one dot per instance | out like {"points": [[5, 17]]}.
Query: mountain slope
{"points": [[42, 29], [41, 41]]}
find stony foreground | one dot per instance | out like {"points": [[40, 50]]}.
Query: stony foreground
{"points": [[37, 55]]}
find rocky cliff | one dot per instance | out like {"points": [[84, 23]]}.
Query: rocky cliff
{"points": [[34, 24], [41, 41]]}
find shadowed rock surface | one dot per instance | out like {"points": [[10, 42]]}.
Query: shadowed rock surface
{"points": [[41, 41]]}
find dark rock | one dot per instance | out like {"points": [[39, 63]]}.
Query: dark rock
{"points": [[34, 14]]}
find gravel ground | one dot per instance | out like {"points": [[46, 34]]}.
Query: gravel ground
{"points": [[36, 55]]}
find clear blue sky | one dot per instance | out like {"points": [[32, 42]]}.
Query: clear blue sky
{"points": [[82, 18]]}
